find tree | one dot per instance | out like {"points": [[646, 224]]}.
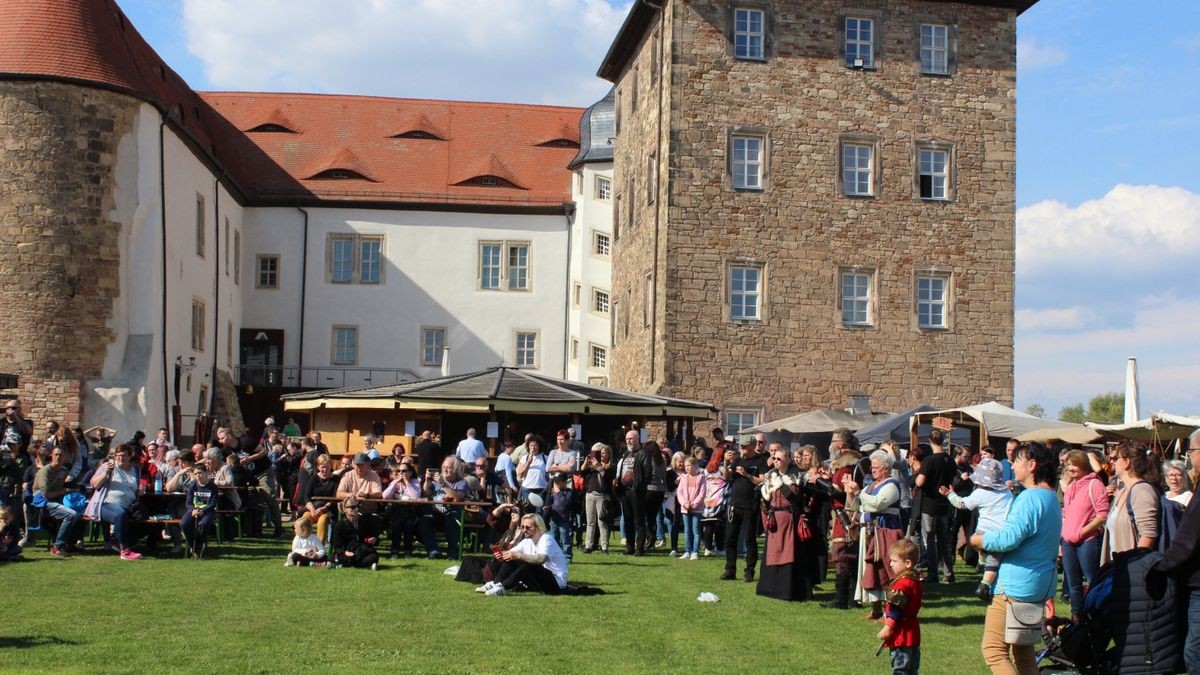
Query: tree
{"points": [[1035, 409], [1072, 413], [1107, 408]]}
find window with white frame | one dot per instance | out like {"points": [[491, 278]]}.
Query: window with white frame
{"points": [[600, 301], [198, 324], [749, 33], [526, 349], [599, 356], [355, 259], [933, 173], [603, 188], [200, 226], [746, 162], [745, 293], [574, 349], [647, 298], [932, 300], [651, 178], [935, 49], [601, 244], [518, 267], [856, 300], [433, 344], [737, 420], [858, 168], [345, 345], [859, 36], [268, 272], [500, 261]]}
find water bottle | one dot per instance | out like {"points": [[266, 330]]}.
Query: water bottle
{"points": [[158, 484]]}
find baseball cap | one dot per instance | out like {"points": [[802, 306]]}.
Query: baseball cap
{"points": [[362, 458]]}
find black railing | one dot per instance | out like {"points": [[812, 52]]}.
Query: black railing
{"points": [[321, 377]]}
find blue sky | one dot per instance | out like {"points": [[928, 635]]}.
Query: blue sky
{"points": [[1108, 223]]}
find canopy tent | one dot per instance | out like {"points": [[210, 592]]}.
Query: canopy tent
{"points": [[817, 422], [506, 402], [1080, 436], [500, 389], [992, 419], [897, 428], [1158, 427]]}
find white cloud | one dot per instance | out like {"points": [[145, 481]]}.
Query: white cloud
{"points": [[1031, 55], [1138, 226], [543, 51], [1068, 318]]}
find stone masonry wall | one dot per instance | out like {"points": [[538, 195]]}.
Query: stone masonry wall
{"points": [[803, 230], [59, 254]]}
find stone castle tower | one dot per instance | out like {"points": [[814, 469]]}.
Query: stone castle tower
{"points": [[813, 200]]}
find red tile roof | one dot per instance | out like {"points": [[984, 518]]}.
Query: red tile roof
{"points": [[91, 42]]}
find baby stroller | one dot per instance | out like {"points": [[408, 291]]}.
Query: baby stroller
{"points": [[1130, 623]]}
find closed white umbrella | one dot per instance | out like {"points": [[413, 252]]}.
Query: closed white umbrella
{"points": [[1131, 392]]}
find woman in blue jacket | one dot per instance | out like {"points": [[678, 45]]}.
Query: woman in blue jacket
{"points": [[1029, 542]]}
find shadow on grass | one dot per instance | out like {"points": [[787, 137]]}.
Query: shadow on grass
{"points": [[954, 620], [31, 641]]}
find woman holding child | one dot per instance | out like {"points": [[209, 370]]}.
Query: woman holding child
{"points": [[1029, 541]]}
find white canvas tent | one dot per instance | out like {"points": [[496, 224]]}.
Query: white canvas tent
{"points": [[1158, 427], [818, 422], [992, 419]]}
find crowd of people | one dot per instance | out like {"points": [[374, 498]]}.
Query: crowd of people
{"points": [[882, 521]]}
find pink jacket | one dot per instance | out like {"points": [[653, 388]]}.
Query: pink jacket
{"points": [[690, 493], [1084, 500]]}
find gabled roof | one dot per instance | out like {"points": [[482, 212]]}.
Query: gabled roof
{"points": [[500, 388], [91, 42]]}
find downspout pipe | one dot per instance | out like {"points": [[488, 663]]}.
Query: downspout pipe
{"points": [[212, 386], [168, 420], [303, 293], [569, 212]]}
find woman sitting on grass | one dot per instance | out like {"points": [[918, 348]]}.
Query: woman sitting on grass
{"points": [[349, 547], [535, 563]]}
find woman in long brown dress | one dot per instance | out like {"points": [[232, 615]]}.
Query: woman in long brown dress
{"points": [[789, 565]]}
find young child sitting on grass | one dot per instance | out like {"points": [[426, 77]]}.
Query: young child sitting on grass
{"points": [[307, 549], [10, 534], [901, 632], [993, 500]]}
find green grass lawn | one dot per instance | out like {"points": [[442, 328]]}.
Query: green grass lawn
{"points": [[243, 611]]}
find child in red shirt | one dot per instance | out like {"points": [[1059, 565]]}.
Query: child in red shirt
{"points": [[901, 632]]}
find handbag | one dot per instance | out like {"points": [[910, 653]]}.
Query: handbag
{"points": [[1023, 622], [803, 532], [769, 523], [96, 504]]}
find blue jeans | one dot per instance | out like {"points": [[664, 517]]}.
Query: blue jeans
{"points": [[1080, 561], [562, 534], [66, 531], [1191, 644], [906, 660], [118, 517], [691, 532]]}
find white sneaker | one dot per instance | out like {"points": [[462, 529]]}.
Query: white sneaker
{"points": [[288, 562], [24, 543], [708, 552], [498, 589], [485, 588], [695, 556], [374, 566], [622, 541], [673, 553], [659, 544]]}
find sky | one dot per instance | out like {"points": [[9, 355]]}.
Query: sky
{"points": [[1108, 117]]}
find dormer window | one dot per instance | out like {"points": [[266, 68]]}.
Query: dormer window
{"points": [[270, 128], [419, 134], [489, 181], [560, 143], [338, 174]]}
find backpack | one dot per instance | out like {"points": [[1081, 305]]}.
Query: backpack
{"points": [[1169, 515]]}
